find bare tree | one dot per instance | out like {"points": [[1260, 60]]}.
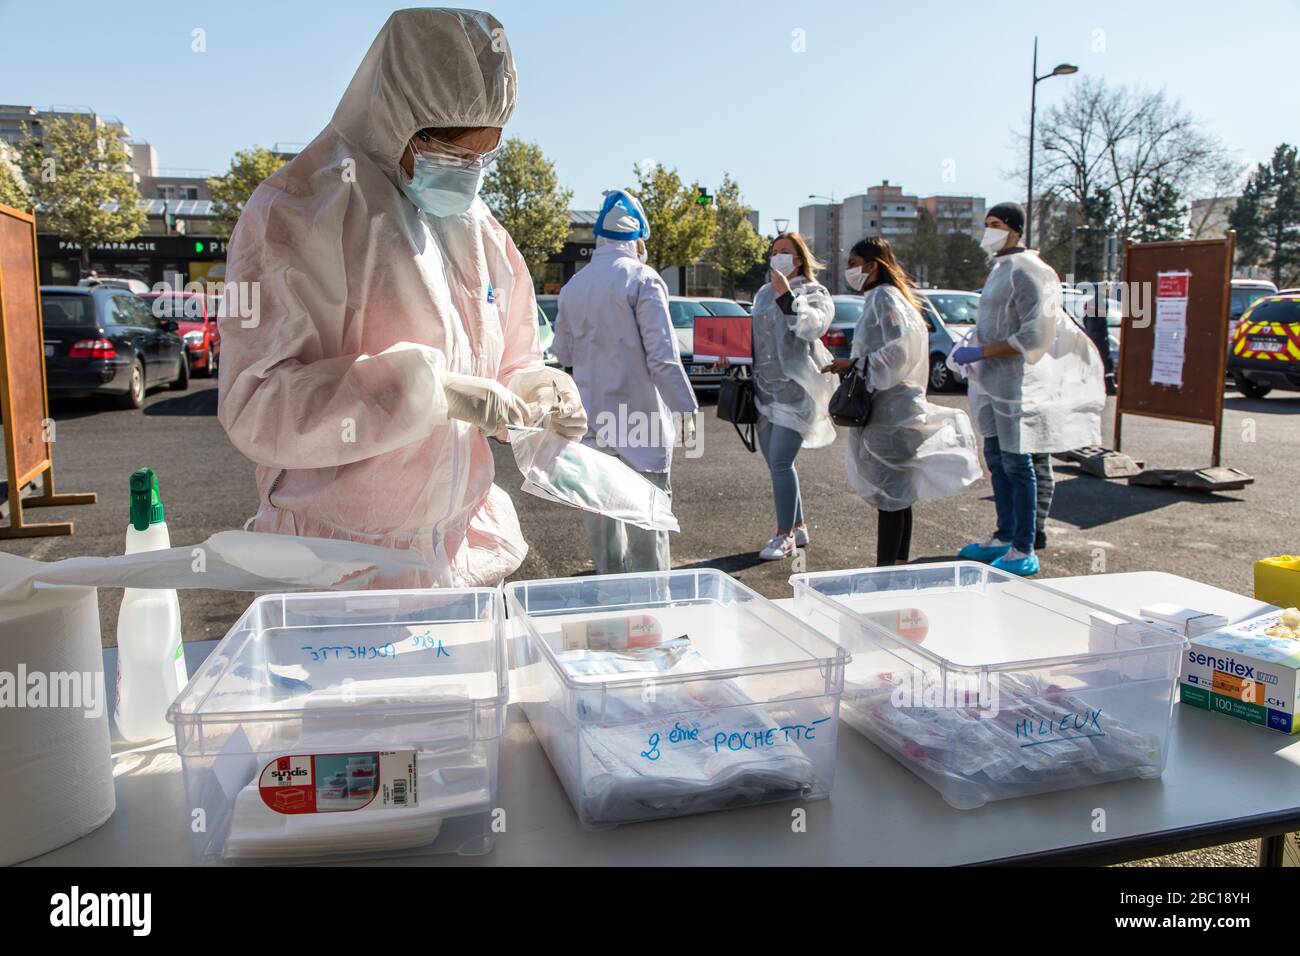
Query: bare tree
{"points": [[1110, 145]]}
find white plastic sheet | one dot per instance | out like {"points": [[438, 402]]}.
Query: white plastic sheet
{"points": [[228, 561]]}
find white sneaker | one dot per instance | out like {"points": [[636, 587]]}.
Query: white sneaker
{"points": [[801, 536], [781, 546]]}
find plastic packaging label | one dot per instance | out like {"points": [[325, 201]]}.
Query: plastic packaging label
{"points": [[329, 783]]}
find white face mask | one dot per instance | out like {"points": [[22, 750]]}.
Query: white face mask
{"points": [[994, 238], [855, 277], [783, 263]]}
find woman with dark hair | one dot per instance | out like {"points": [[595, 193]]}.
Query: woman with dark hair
{"points": [[909, 450], [791, 390]]}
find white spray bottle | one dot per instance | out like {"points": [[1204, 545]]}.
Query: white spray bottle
{"points": [[150, 656]]}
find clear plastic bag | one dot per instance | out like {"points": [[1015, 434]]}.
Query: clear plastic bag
{"points": [[579, 476]]}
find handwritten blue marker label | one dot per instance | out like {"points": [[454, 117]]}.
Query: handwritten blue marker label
{"points": [[347, 652], [428, 642], [733, 740], [1038, 730]]}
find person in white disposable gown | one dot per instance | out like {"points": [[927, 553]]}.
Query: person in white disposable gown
{"points": [[614, 330], [791, 313], [909, 450], [378, 322], [1036, 385]]}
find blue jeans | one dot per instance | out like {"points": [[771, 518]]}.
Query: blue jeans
{"points": [[780, 445], [1014, 494]]}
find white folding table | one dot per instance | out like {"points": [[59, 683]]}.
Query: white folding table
{"points": [[1225, 781]]}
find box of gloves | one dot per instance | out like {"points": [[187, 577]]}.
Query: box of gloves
{"points": [[662, 694], [347, 724], [1250, 671]]}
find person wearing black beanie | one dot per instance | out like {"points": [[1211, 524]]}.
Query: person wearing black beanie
{"points": [[1011, 214], [1035, 387]]}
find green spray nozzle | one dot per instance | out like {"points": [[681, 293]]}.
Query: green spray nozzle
{"points": [[146, 503]]}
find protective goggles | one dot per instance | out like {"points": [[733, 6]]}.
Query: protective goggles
{"points": [[450, 155]]}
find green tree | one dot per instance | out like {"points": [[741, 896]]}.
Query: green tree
{"points": [[13, 191], [921, 253], [736, 246], [1161, 213], [80, 177], [681, 230], [963, 264], [229, 192], [1267, 217], [524, 194]]}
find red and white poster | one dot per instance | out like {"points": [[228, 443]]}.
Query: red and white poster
{"points": [[1170, 345]]}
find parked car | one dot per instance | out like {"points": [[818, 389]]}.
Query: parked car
{"points": [[1266, 347], [839, 337], [546, 336], [197, 317], [550, 305], [1244, 294], [138, 286], [949, 315], [102, 340]]}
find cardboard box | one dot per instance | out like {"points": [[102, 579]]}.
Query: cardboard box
{"points": [[1242, 672]]}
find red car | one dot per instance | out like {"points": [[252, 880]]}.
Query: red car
{"points": [[196, 314]]}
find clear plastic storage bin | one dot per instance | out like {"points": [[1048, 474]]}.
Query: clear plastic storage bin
{"points": [[713, 698], [346, 724], [988, 686]]}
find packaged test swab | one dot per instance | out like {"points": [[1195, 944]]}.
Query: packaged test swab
{"points": [[1014, 689], [736, 704]]}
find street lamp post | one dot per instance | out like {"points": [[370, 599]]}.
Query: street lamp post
{"points": [[833, 267], [1063, 69]]}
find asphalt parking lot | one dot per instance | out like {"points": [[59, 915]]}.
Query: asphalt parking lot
{"points": [[721, 498]]}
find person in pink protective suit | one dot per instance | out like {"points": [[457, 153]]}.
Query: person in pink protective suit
{"points": [[393, 325]]}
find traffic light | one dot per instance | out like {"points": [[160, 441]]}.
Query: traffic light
{"points": [[704, 199]]}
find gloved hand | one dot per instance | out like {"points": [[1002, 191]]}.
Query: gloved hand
{"points": [[689, 429], [965, 354], [554, 392], [484, 403]]}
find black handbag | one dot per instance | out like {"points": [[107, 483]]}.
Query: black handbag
{"points": [[851, 404], [736, 404]]}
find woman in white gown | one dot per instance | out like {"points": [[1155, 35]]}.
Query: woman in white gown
{"points": [[909, 450]]}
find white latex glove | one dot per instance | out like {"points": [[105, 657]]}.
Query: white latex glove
{"points": [[555, 392], [484, 403], [688, 430]]}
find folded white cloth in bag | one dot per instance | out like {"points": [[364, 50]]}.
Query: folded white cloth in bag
{"points": [[452, 779], [257, 831], [660, 765]]}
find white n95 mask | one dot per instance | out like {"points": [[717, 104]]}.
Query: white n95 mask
{"points": [[994, 238], [578, 476], [783, 263]]}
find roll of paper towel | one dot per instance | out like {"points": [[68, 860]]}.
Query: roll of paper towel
{"points": [[54, 738]]}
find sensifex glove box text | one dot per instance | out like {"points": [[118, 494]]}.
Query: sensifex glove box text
{"points": [[1245, 673]]}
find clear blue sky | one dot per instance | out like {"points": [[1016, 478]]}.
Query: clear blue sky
{"points": [[883, 91]]}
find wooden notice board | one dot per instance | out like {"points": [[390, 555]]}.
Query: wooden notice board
{"points": [[1183, 289], [28, 431]]}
